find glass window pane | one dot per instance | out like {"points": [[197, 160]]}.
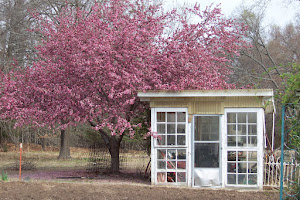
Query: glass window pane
{"points": [[207, 155], [252, 117], [204, 132], [161, 128], [242, 156], [204, 119], [181, 177], [171, 128], [231, 129], [161, 140], [231, 167], [252, 156], [171, 117], [171, 140], [242, 141], [252, 130], [181, 164], [242, 179], [242, 167], [180, 139], [231, 141], [206, 128], [171, 164], [252, 140], [231, 118], [252, 179], [231, 155], [231, 179], [214, 134], [213, 120], [181, 154], [171, 154], [161, 154], [241, 117], [161, 177], [181, 128], [161, 164], [181, 117], [161, 116], [171, 177], [242, 130], [252, 168]]}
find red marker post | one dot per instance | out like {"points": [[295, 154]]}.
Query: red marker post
{"points": [[20, 168]]}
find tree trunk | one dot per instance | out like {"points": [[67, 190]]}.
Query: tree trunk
{"points": [[114, 151], [43, 142], [113, 145], [64, 152]]}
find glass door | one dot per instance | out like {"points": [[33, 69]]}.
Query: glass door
{"points": [[206, 151]]}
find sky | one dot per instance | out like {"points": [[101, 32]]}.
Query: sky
{"points": [[278, 11]]}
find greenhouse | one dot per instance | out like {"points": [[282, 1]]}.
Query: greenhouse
{"points": [[208, 138]]}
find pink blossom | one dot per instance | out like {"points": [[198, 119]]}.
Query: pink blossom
{"points": [[91, 65]]}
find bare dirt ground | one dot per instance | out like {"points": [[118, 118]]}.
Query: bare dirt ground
{"points": [[40, 190], [78, 184]]}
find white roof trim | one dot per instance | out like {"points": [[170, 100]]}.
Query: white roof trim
{"points": [[209, 93]]}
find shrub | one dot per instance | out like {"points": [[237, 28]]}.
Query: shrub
{"points": [[4, 176]]}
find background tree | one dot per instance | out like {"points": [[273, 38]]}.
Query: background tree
{"points": [[273, 51], [92, 65], [257, 65], [284, 44], [17, 45]]}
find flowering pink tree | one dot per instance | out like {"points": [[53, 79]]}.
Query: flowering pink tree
{"points": [[91, 65]]}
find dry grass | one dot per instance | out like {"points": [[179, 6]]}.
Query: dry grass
{"points": [[44, 159], [48, 159]]}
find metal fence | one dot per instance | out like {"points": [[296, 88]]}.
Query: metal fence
{"points": [[131, 160], [272, 166]]}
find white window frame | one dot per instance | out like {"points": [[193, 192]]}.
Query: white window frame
{"points": [[258, 148], [154, 147]]}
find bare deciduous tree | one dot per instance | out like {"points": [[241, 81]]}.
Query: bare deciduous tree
{"points": [[17, 46], [273, 49]]}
